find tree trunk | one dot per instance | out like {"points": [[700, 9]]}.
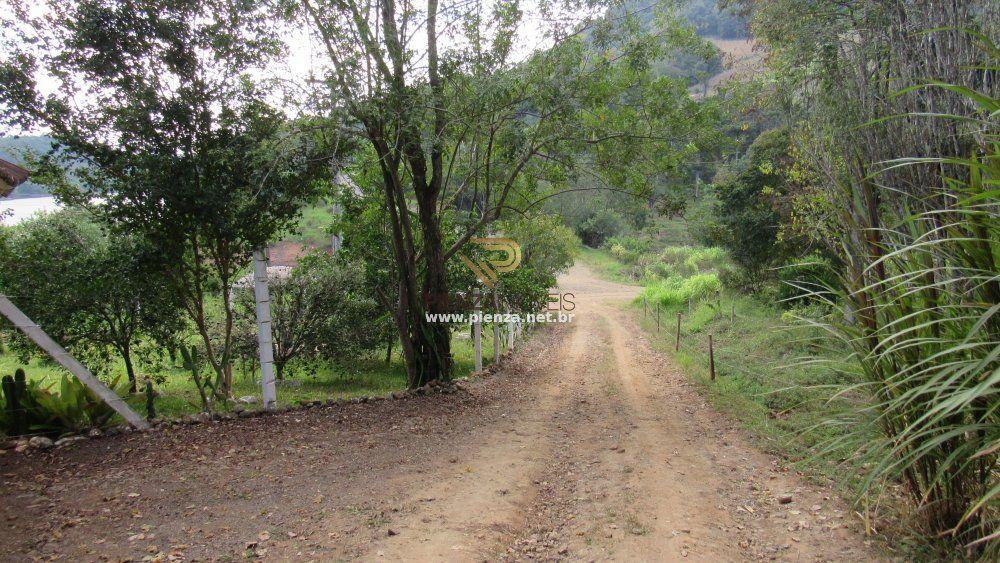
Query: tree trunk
{"points": [[129, 369], [432, 340]]}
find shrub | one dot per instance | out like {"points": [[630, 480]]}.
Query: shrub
{"points": [[660, 270], [43, 410], [687, 260], [547, 244], [744, 281], [677, 291], [802, 277], [627, 249], [526, 290], [320, 309], [601, 226]]}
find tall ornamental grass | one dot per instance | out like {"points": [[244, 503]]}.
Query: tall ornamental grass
{"points": [[920, 299]]}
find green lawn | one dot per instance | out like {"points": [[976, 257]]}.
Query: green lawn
{"points": [[313, 224]]}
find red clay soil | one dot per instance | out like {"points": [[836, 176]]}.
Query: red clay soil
{"points": [[587, 445], [288, 253]]}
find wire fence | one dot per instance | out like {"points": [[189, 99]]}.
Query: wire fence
{"points": [[719, 359]]}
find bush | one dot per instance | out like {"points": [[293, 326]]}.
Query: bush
{"points": [[320, 309], [675, 291], [526, 290], [547, 245], [627, 249], [744, 281], [39, 409], [688, 260], [754, 205], [601, 226], [800, 278]]}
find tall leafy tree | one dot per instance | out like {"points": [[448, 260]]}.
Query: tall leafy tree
{"points": [[463, 130], [159, 101]]}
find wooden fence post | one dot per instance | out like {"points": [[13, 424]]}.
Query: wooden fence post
{"points": [[657, 317], [644, 307], [677, 343], [711, 358], [732, 312], [477, 328]]}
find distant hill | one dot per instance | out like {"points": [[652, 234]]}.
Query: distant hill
{"points": [[12, 149], [720, 26], [708, 19], [711, 21]]}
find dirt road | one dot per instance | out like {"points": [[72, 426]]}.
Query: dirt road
{"points": [[587, 446]]}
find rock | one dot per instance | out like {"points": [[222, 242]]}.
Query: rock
{"points": [[392, 532], [69, 440], [95, 433], [40, 443], [248, 400], [238, 409], [784, 498]]}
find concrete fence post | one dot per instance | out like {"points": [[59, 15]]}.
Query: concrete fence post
{"points": [[262, 295]]}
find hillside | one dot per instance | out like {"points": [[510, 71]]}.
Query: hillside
{"points": [[738, 59], [13, 150]]}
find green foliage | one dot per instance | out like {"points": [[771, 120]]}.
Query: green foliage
{"points": [[677, 290], [526, 290], [753, 205], [182, 147], [712, 19], [547, 244], [627, 249], [322, 309], [918, 302], [687, 260], [150, 400], [799, 279], [601, 226], [206, 386], [15, 420], [31, 407], [92, 291], [746, 282]]}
